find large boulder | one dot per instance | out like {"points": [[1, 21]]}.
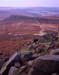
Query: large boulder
{"points": [[46, 65]]}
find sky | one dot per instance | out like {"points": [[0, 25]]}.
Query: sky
{"points": [[29, 3]]}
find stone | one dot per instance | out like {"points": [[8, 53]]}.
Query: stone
{"points": [[12, 70], [54, 52], [46, 65]]}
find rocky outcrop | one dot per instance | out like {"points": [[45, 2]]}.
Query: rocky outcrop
{"points": [[46, 65]]}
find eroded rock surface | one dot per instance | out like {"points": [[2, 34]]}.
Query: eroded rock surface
{"points": [[46, 65]]}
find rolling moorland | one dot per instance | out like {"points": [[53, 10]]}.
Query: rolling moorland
{"points": [[18, 26], [29, 41]]}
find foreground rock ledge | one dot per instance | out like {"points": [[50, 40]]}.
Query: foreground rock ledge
{"points": [[46, 65]]}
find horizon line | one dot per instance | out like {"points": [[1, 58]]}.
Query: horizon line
{"points": [[28, 7]]}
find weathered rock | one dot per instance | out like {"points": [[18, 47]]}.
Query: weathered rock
{"points": [[12, 70], [28, 55], [6, 66], [46, 65], [21, 71], [17, 57], [54, 52], [54, 74], [1, 62]]}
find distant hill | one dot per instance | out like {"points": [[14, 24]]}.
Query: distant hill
{"points": [[34, 14], [18, 18], [30, 12]]}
